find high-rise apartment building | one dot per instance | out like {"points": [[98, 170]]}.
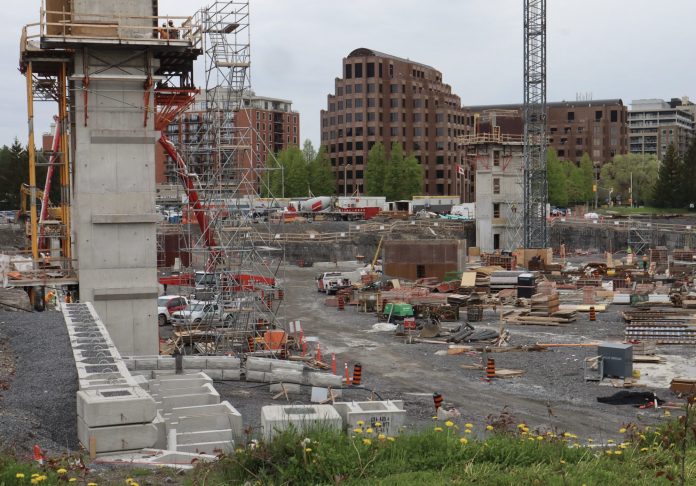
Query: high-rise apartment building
{"points": [[656, 124], [384, 98], [265, 126], [596, 127]]}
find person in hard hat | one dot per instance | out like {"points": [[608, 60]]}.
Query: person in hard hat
{"points": [[163, 32], [645, 263], [173, 32]]}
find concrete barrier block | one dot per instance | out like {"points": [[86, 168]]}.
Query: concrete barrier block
{"points": [[286, 376], [207, 448], [325, 380], [257, 376], [285, 365], [204, 395], [194, 362], [291, 388], [203, 436], [214, 374], [231, 375], [145, 363], [258, 364], [387, 414], [115, 406], [222, 363], [276, 418], [207, 417], [117, 437], [166, 363]]}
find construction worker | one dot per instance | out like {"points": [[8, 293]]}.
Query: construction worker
{"points": [[163, 32], [173, 33], [645, 263]]}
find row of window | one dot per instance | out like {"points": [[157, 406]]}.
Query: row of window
{"points": [[439, 160], [613, 115]]}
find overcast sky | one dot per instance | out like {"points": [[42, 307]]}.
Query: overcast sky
{"points": [[627, 49]]}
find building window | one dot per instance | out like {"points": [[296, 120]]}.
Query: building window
{"points": [[496, 241], [358, 102], [394, 88], [370, 69], [496, 158], [349, 89], [394, 131], [358, 88], [371, 102], [349, 103], [571, 116], [598, 115], [578, 141], [371, 88], [394, 102], [614, 116], [359, 117], [496, 210], [496, 185], [391, 70], [349, 71], [359, 70]]}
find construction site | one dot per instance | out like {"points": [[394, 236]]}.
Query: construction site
{"points": [[164, 343]]}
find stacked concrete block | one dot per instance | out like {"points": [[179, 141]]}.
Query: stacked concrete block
{"points": [[219, 368], [267, 370], [277, 418], [386, 417], [190, 396], [113, 412]]}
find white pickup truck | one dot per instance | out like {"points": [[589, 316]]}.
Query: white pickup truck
{"points": [[332, 282], [200, 313]]}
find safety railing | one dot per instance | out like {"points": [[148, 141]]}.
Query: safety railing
{"points": [[625, 224]]}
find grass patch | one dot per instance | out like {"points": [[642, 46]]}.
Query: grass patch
{"points": [[448, 455]]}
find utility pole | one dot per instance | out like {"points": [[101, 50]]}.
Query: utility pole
{"points": [[535, 178]]}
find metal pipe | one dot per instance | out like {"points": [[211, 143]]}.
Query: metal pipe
{"points": [[65, 156]]}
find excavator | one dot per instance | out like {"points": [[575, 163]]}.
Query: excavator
{"points": [[23, 213]]}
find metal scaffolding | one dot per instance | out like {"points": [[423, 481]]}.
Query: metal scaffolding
{"points": [[236, 254], [535, 179]]}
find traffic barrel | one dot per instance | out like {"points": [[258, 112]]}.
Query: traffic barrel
{"points": [[593, 314], [437, 400], [490, 369], [250, 343], [357, 374], [341, 303], [333, 364]]}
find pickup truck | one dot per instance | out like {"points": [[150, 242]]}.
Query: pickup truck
{"points": [[332, 282], [200, 313]]}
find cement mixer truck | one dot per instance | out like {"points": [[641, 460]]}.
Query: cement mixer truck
{"points": [[324, 207]]}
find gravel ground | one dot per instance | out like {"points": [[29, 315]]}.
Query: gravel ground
{"points": [[38, 382]]}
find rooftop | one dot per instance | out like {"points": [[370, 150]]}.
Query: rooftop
{"points": [[365, 52]]}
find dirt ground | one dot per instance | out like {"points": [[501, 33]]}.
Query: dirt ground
{"points": [[552, 394]]}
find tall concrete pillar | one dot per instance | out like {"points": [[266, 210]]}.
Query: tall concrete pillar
{"points": [[113, 210]]}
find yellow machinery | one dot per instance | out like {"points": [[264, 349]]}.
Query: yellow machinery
{"points": [[23, 213]]}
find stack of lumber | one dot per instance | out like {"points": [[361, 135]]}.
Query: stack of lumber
{"points": [[556, 319], [544, 305]]}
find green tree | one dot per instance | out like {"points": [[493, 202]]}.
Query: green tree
{"points": [[615, 178], [412, 178], [575, 183], [394, 176], [587, 173], [295, 171], [667, 188], [308, 151], [558, 193], [688, 181], [375, 171], [321, 178]]}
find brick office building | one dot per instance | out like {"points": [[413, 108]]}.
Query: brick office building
{"points": [[383, 98], [268, 125], [598, 127]]}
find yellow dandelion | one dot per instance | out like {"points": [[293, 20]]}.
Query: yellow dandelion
{"points": [[357, 431], [62, 471], [449, 423], [566, 434], [590, 441], [360, 422], [34, 481], [540, 437], [618, 453], [19, 475], [367, 441], [72, 480], [610, 441], [378, 424], [644, 449], [438, 429], [622, 430], [381, 437], [562, 461], [521, 426], [642, 437], [489, 427], [434, 417], [464, 441], [91, 484], [369, 430], [609, 453], [35, 475], [667, 413], [623, 445], [308, 449], [468, 426], [467, 431], [391, 439]]}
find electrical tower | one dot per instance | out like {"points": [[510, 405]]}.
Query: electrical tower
{"points": [[535, 179]]}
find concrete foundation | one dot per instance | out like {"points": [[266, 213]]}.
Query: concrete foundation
{"points": [[118, 438], [115, 406]]}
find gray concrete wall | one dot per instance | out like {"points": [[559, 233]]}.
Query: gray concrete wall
{"points": [[113, 206], [606, 238]]}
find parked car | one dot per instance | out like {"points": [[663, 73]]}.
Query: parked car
{"points": [[558, 212], [167, 305], [200, 313]]}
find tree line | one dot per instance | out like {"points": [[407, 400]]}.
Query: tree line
{"points": [[301, 173], [14, 171], [676, 180]]}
